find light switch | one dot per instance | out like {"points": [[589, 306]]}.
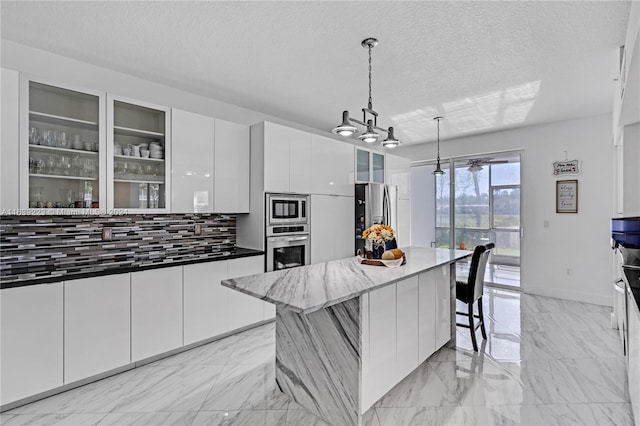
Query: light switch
{"points": [[197, 229], [546, 223]]}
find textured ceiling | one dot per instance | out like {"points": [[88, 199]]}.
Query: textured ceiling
{"points": [[483, 65]]}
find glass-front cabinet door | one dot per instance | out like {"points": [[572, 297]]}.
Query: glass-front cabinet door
{"points": [[138, 155], [62, 148], [369, 166]]}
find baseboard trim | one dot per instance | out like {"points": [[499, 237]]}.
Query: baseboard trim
{"points": [[123, 368], [559, 293]]}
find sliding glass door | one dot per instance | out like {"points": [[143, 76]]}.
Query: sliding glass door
{"points": [[485, 207]]}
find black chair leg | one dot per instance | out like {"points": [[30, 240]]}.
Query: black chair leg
{"points": [[472, 329], [484, 333]]}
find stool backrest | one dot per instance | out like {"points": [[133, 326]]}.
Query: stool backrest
{"points": [[478, 266]]}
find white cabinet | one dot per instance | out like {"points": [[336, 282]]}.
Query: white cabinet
{"points": [[138, 155], [369, 166], [407, 327], [244, 309], [62, 147], [32, 330], [276, 157], [332, 166], [156, 312], [206, 310], [192, 151], [382, 341], [321, 228], [426, 314], [231, 168], [443, 306], [9, 142], [321, 152], [300, 161], [97, 326], [397, 173], [343, 227], [332, 229]]}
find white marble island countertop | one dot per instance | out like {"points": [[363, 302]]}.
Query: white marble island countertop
{"points": [[310, 288]]}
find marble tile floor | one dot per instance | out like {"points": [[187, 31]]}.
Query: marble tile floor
{"points": [[546, 362]]}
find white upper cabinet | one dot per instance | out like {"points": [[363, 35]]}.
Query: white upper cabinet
{"points": [[192, 153], [9, 142], [62, 147], [321, 152], [300, 160], [342, 168], [397, 173], [138, 155], [276, 158], [231, 167], [369, 166], [332, 166]]}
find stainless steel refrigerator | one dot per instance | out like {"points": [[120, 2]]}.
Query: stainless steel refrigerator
{"points": [[375, 203]]}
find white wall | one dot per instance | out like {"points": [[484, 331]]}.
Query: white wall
{"points": [[570, 259]]}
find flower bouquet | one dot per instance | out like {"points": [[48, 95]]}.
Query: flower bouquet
{"points": [[378, 239]]}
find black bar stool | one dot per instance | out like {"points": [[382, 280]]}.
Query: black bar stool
{"points": [[471, 291]]}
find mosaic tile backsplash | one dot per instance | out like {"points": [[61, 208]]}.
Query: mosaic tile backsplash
{"points": [[34, 247]]}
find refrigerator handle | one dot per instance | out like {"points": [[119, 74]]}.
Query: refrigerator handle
{"points": [[368, 219], [386, 208]]}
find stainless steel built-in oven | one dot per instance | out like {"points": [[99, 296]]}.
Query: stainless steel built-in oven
{"points": [[287, 231], [286, 209], [288, 251]]}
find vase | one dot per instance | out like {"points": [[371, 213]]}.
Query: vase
{"points": [[390, 245], [377, 251]]}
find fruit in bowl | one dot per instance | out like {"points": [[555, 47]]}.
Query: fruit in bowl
{"points": [[388, 255], [397, 253]]}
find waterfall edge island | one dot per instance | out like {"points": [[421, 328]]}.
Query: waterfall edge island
{"points": [[346, 332]]}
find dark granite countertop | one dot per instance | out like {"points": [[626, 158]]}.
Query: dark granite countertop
{"points": [[26, 279]]}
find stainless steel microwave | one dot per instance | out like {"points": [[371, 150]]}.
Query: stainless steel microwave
{"points": [[287, 209]]}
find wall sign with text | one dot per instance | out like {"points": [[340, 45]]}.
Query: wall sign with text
{"points": [[567, 196], [567, 167]]}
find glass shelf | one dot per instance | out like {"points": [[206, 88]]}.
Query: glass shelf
{"points": [[139, 181], [42, 117], [47, 176], [125, 131], [45, 148], [130, 157]]}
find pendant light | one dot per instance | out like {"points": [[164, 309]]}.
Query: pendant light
{"points": [[390, 141], [438, 170], [370, 135]]}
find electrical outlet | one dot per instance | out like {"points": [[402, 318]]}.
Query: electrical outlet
{"points": [[197, 229], [107, 234], [569, 271]]}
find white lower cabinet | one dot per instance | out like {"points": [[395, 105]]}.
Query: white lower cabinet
{"points": [[206, 310], [332, 227], [156, 312], [407, 327], [382, 341], [244, 309], [32, 336], [426, 314], [97, 325], [443, 306]]}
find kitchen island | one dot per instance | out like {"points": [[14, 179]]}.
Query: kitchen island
{"points": [[346, 333]]}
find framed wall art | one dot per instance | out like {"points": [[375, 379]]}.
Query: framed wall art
{"points": [[567, 196]]}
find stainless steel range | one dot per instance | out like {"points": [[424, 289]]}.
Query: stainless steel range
{"points": [[288, 243]]}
